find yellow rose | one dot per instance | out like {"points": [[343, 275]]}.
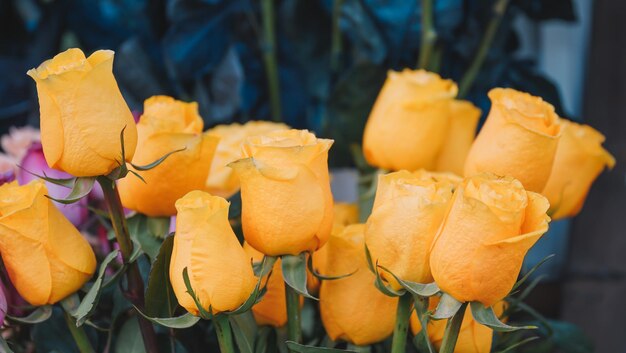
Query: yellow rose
{"points": [[83, 113], [407, 212], [473, 337], [464, 118], [165, 126], [519, 139], [46, 257], [287, 207], [579, 160], [490, 225], [219, 270], [272, 308], [409, 122], [222, 181], [352, 308]]}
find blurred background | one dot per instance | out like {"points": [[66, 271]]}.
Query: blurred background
{"points": [[319, 64]]}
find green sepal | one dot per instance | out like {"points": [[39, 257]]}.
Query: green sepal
{"points": [[88, 305], [531, 271], [419, 289], [324, 277], [143, 168], [256, 294], [65, 182], [485, 316], [265, 266], [294, 273], [184, 321], [447, 307], [301, 348], [378, 281], [203, 313], [41, 314], [420, 304], [82, 187], [138, 176]]}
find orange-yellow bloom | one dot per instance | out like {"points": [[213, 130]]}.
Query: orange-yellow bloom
{"points": [[579, 160], [408, 210], [168, 125], [45, 256], [464, 118], [409, 122], [287, 207], [519, 139], [219, 270], [352, 309], [83, 113], [490, 225], [222, 181], [473, 337]]}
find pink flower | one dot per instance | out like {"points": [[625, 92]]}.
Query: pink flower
{"points": [[8, 169], [17, 142], [35, 162]]}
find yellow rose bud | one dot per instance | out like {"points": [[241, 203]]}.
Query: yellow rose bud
{"points": [[46, 257], [271, 310], [83, 113], [352, 309], [519, 139], [409, 122], [287, 207], [222, 181], [490, 225], [473, 337], [168, 125], [464, 118], [407, 212], [345, 214], [219, 270], [579, 160]]}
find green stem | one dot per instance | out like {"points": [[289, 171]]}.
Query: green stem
{"points": [[499, 8], [429, 35], [224, 334], [135, 290], [79, 335], [403, 312], [451, 334], [336, 40], [294, 328], [269, 57]]}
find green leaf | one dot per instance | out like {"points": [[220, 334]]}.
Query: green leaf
{"points": [[184, 321], [324, 277], [160, 298], [512, 347], [40, 314], [138, 227], [447, 307], [485, 315], [203, 313], [422, 290], [129, 339], [531, 271], [261, 343], [90, 301], [294, 273], [234, 210], [82, 187], [244, 329], [4, 346], [143, 168], [301, 348], [159, 227]]}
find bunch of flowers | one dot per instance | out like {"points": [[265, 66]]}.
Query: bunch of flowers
{"points": [[440, 252]]}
